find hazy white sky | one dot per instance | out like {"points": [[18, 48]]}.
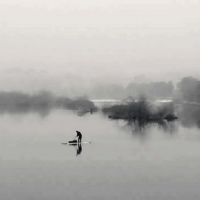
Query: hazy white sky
{"points": [[101, 38]]}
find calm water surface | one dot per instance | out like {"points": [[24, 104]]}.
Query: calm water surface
{"points": [[162, 162]]}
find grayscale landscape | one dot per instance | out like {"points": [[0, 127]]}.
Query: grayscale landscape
{"points": [[122, 76]]}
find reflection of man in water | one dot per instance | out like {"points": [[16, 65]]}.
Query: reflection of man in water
{"points": [[79, 149], [79, 135]]}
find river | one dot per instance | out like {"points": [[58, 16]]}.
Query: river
{"points": [[122, 162]]}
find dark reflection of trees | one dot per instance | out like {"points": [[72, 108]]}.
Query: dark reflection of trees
{"points": [[140, 128], [189, 116], [168, 126]]}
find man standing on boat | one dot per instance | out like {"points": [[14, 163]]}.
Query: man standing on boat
{"points": [[79, 135]]}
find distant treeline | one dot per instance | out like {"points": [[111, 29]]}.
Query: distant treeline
{"points": [[188, 89], [151, 90], [16, 101]]}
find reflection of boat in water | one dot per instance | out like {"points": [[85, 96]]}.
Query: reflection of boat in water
{"points": [[74, 142], [77, 145]]}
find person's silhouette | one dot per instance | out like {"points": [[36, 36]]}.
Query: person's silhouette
{"points": [[79, 135]]}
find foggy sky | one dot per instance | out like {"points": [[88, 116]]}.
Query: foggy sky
{"points": [[43, 40]]}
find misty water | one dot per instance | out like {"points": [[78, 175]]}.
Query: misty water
{"points": [[122, 162]]}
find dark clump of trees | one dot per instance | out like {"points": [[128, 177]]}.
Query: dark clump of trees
{"points": [[140, 110]]}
